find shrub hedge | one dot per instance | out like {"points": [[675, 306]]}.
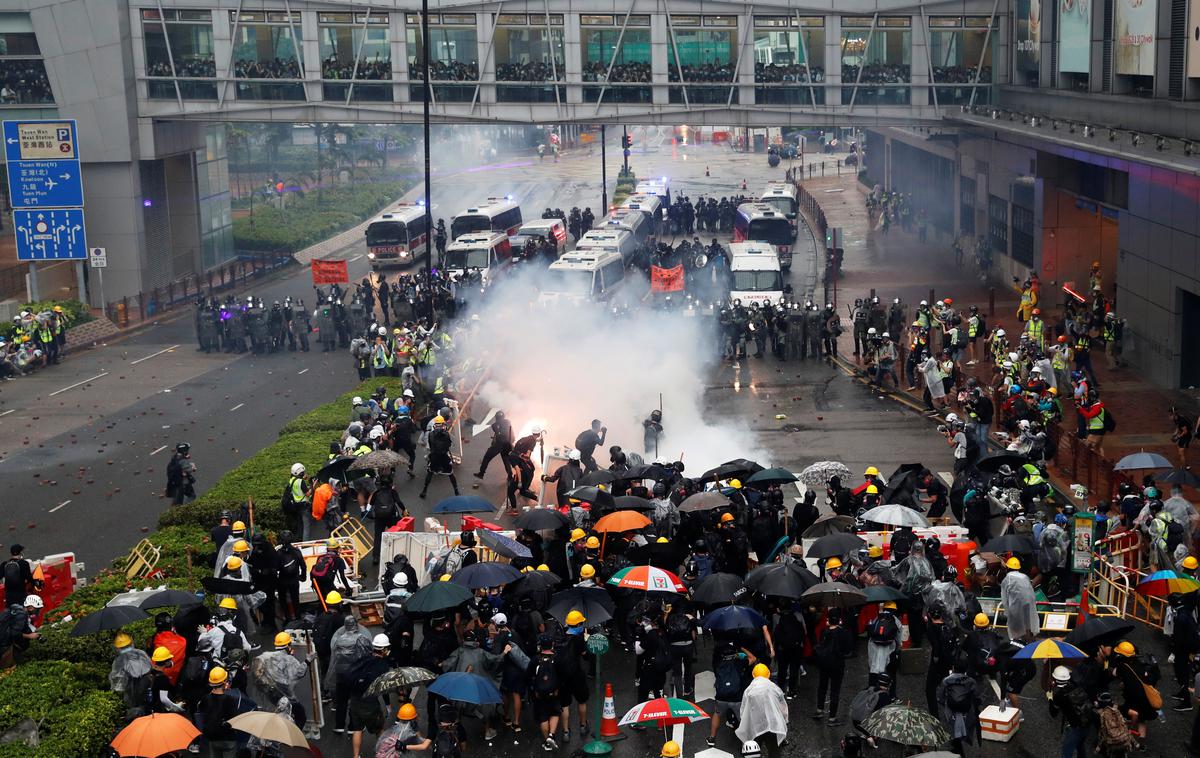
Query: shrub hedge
{"points": [[75, 310], [311, 217], [62, 681]]}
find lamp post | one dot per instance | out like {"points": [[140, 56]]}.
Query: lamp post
{"points": [[427, 90], [597, 645]]}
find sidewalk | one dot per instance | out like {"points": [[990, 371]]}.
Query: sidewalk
{"points": [[897, 265]]}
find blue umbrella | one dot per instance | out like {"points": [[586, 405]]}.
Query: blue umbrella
{"points": [[1141, 460], [464, 504], [734, 617], [504, 546], [485, 574], [465, 688]]}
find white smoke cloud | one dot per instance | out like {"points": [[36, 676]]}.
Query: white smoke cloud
{"points": [[564, 365]]}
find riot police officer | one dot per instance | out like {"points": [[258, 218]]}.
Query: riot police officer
{"points": [[858, 316], [831, 328], [325, 328], [301, 325], [814, 327]]}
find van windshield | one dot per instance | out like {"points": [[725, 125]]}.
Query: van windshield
{"points": [[568, 282], [386, 233], [464, 259], [757, 281], [776, 231], [466, 224], [784, 205]]}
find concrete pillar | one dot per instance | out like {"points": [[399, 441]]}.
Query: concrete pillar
{"points": [[660, 56], [833, 59]]}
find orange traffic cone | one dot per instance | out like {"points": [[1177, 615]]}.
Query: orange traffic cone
{"points": [[608, 724]]}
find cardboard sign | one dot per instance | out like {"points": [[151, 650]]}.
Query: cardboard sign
{"points": [[330, 272]]}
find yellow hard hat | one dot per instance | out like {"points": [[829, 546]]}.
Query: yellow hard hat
{"points": [[726, 518], [228, 604], [527, 570], [283, 639], [874, 551], [439, 420], [981, 621], [833, 563], [333, 598], [161, 654], [238, 526], [331, 544], [217, 675], [59, 308], [587, 571], [122, 640], [872, 489], [1013, 564], [735, 483], [661, 541], [543, 567], [444, 578], [890, 605], [871, 471], [592, 543], [407, 712], [575, 618], [760, 670], [1126, 649], [671, 749], [1190, 562], [577, 534], [233, 563], [241, 546]]}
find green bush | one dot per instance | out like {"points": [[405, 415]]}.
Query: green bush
{"points": [[77, 313], [75, 714], [313, 216]]}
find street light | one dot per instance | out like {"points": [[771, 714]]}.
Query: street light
{"points": [[428, 91]]}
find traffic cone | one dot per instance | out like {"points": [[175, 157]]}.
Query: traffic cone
{"points": [[608, 724], [743, 184], [706, 171]]}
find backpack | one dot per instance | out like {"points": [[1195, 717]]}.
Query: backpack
{"points": [[960, 695], [679, 627], [863, 704], [230, 641], [1114, 732], [286, 502], [1110, 423], [1078, 703], [1175, 537], [728, 680], [323, 567], [1150, 671], [446, 563], [11, 626], [883, 630], [12, 572], [138, 693], [360, 675], [445, 744], [289, 566], [545, 679]]}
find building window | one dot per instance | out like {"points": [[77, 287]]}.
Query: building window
{"points": [[184, 53], [781, 68], [704, 57], [629, 68], [360, 52], [880, 62], [22, 71], [956, 57], [453, 58], [529, 54], [267, 51], [998, 224], [966, 210]]}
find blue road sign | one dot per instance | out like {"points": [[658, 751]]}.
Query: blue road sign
{"points": [[50, 235], [52, 139], [45, 184]]}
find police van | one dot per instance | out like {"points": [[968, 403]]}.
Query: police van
{"points": [[609, 240], [553, 229], [783, 196], [497, 214], [660, 188], [760, 222], [636, 223], [648, 204], [488, 253], [583, 275], [755, 272]]}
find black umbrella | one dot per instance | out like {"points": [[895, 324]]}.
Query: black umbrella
{"points": [[992, 464], [220, 585], [829, 524], [1180, 476], [900, 485], [834, 545], [541, 519], [770, 476], [534, 582], [882, 593], [108, 618], [602, 476], [1099, 630], [663, 555], [1010, 543], [780, 580], [600, 499], [633, 503], [737, 468], [835, 595], [438, 596], [704, 501], [593, 602], [655, 471], [336, 469], [485, 574], [718, 589], [164, 598]]}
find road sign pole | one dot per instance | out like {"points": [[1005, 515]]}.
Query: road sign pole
{"points": [[597, 645], [33, 284], [103, 302], [81, 284]]}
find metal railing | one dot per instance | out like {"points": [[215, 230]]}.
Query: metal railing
{"points": [[1120, 565]]}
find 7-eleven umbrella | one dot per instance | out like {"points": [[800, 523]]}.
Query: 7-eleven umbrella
{"points": [[1163, 583], [663, 711], [647, 578]]}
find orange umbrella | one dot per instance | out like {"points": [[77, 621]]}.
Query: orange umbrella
{"points": [[155, 735], [622, 521]]}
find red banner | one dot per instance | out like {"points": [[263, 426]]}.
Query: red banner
{"points": [[330, 272], [666, 279]]}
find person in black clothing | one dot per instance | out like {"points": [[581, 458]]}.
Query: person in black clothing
{"points": [[1072, 703], [215, 711], [326, 624], [386, 507], [567, 476], [502, 445], [160, 684], [1185, 641], [790, 634], [264, 573], [936, 493], [180, 482], [943, 647], [384, 291], [833, 646], [292, 571], [440, 460], [222, 530], [521, 456], [18, 577], [587, 442]]}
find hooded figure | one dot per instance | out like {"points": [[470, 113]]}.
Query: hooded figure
{"points": [[946, 593], [274, 675], [131, 663], [764, 711], [1020, 605], [348, 645]]}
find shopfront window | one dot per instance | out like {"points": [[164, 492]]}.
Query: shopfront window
{"points": [[529, 54], [956, 54], [782, 71], [453, 56], [623, 73], [706, 58], [879, 62], [183, 53], [265, 49], [355, 47], [22, 71]]}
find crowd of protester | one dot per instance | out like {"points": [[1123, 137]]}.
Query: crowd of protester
{"points": [[24, 81], [37, 340], [960, 74], [375, 68], [621, 72], [878, 73], [195, 67], [529, 71], [721, 73], [771, 73], [445, 71], [278, 68]]}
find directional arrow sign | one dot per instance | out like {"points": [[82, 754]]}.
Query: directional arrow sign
{"points": [[43, 164], [54, 234]]}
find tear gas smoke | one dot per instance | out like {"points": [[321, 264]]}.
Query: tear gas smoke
{"points": [[563, 365]]}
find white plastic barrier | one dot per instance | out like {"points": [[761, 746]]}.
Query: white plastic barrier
{"points": [[946, 534], [419, 546]]}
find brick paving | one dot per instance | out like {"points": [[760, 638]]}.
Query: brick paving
{"points": [[898, 265]]}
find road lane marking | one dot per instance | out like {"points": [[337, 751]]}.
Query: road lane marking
{"points": [[76, 384], [159, 450], [60, 505], [352, 260], [153, 355], [297, 374], [10, 410], [234, 408]]}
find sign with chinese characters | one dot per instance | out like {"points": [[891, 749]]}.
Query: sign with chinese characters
{"points": [[1134, 38]]}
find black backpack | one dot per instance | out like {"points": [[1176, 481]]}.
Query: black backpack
{"points": [[1150, 670], [679, 627], [1175, 535], [960, 695], [286, 503], [12, 572], [884, 629], [545, 679], [445, 744], [728, 680], [289, 566], [1110, 421]]}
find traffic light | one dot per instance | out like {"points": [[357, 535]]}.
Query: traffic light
{"points": [[626, 142]]}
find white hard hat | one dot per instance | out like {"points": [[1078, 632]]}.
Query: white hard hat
{"points": [[951, 418], [1007, 364], [356, 401], [375, 433], [499, 619], [535, 429], [999, 332], [924, 302], [574, 455], [400, 579], [940, 303], [886, 336], [1023, 423], [409, 393], [382, 332], [34, 601], [381, 642], [1014, 357], [350, 443], [751, 749], [297, 469], [871, 330], [1061, 674], [1035, 370]]}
